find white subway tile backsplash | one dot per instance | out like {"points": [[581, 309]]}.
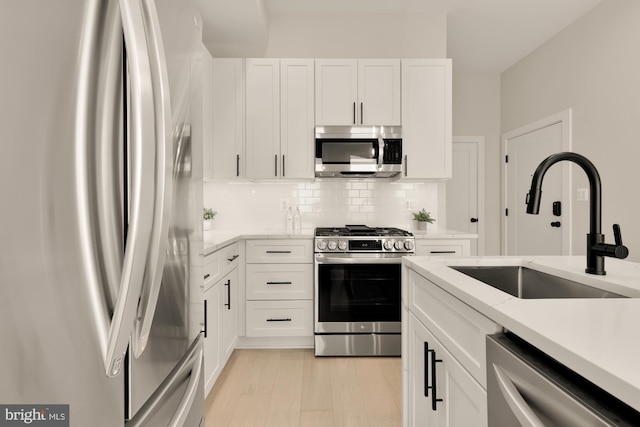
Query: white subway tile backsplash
{"points": [[324, 202]]}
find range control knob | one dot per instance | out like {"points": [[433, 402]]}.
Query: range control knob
{"points": [[408, 245], [322, 245], [342, 245], [398, 245], [332, 245], [388, 244]]}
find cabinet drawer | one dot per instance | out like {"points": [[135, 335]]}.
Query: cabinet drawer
{"points": [[219, 263], [212, 272], [279, 281], [461, 329], [443, 248], [279, 318], [287, 251]]}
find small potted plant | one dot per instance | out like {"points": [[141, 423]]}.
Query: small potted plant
{"points": [[423, 217], [207, 216]]}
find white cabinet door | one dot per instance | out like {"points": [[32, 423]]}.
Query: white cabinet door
{"points": [[227, 117], [442, 392], [378, 92], [358, 92], [229, 313], [263, 118], [336, 91], [212, 351], [426, 118], [297, 118]]}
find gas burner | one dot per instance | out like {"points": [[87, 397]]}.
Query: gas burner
{"points": [[362, 238]]}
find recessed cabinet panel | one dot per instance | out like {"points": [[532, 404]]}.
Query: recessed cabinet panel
{"points": [[378, 92], [426, 118], [336, 91], [263, 118], [227, 140]]}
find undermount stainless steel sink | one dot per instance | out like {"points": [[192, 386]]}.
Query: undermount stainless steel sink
{"points": [[525, 283]]}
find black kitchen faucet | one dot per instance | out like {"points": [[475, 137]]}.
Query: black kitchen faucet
{"points": [[596, 248]]}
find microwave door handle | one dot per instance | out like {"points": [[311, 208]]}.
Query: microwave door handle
{"points": [[380, 152]]}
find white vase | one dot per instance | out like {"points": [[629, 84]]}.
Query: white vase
{"points": [[206, 225], [422, 225]]}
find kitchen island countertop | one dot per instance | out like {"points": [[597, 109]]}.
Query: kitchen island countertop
{"points": [[597, 338]]}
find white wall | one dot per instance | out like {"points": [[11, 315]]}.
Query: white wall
{"points": [[593, 67], [476, 112], [357, 36], [249, 205]]}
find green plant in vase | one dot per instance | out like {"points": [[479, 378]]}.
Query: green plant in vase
{"points": [[423, 217], [207, 216]]}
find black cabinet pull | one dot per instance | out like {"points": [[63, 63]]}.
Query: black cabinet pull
{"points": [[233, 258], [279, 283], [426, 369], [442, 252], [354, 113], [237, 164], [283, 173], [406, 165], [278, 252], [228, 285], [206, 276], [275, 163], [204, 330], [362, 113], [279, 320], [434, 382]]}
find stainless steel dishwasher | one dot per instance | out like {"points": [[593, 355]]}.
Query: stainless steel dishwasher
{"points": [[525, 387]]}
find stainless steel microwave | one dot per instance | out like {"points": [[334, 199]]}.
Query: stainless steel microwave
{"points": [[358, 151]]}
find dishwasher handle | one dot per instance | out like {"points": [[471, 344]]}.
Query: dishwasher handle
{"points": [[514, 399]]}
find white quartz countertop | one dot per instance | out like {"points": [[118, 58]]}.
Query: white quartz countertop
{"points": [[217, 239], [597, 338]]}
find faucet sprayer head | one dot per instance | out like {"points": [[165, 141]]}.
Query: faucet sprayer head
{"points": [[533, 201]]}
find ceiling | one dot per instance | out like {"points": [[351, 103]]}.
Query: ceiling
{"points": [[483, 36]]}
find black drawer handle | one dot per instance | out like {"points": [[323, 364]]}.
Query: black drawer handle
{"points": [[434, 384], [443, 252], [279, 283], [206, 276], [278, 252], [233, 258], [279, 320]]}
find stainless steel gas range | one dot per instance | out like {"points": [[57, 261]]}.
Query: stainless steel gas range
{"points": [[357, 290]]}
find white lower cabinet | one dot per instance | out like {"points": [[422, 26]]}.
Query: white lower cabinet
{"points": [[279, 288], [443, 247], [444, 356], [221, 281], [441, 392]]}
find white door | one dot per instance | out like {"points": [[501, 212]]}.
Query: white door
{"points": [[464, 190], [548, 232]]}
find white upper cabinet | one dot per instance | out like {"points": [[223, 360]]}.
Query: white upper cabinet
{"points": [[297, 139], [263, 118], [279, 118], [426, 118], [227, 117], [364, 91]]}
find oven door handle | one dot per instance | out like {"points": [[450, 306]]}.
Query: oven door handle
{"points": [[349, 259]]}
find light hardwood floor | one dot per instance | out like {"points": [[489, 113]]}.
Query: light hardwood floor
{"points": [[295, 388]]}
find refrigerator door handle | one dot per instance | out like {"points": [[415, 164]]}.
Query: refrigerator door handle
{"points": [[163, 182], [114, 333], [190, 394]]}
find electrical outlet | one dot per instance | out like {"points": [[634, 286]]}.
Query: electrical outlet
{"points": [[284, 204], [408, 205]]}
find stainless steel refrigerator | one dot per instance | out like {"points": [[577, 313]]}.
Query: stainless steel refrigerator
{"points": [[101, 191]]}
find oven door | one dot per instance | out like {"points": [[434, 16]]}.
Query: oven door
{"points": [[357, 293]]}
